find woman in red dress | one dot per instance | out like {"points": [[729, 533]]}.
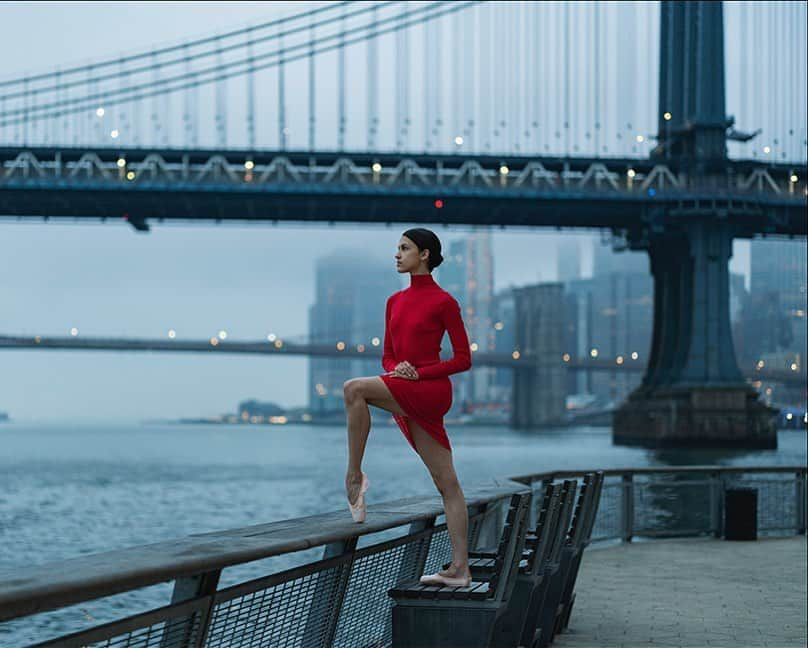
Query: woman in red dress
{"points": [[416, 389]]}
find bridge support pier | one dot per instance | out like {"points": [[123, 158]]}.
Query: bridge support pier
{"points": [[693, 393]]}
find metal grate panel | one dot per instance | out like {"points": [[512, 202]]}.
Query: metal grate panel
{"points": [[440, 551], [175, 626], [295, 612], [366, 619], [607, 521], [159, 635]]}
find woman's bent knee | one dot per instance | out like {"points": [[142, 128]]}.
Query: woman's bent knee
{"points": [[352, 389]]}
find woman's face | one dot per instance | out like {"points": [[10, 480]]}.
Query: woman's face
{"points": [[408, 258]]}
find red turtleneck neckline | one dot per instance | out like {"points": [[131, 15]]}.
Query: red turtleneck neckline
{"points": [[421, 281]]}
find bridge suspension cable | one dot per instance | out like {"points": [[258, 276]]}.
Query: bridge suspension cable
{"points": [[223, 71], [122, 60]]}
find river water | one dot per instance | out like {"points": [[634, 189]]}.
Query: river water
{"points": [[72, 489]]}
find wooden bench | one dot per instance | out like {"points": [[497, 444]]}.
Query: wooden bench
{"points": [[509, 626], [547, 570], [568, 597], [570, 551], [539, 564], [427, 616]]}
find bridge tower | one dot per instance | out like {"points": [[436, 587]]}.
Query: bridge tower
{"points": [[692, 392]]}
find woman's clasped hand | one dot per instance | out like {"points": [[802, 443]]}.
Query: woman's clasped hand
{"points": [[404, 370]]}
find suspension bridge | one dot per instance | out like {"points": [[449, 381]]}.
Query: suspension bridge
{"points": [[583, 115]]}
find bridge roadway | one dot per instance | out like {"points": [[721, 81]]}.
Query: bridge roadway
{"points": [[139, 185], [282, 347]]}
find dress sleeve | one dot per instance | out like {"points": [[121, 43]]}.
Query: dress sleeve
{"points": [[388, 358], [461, 360]]}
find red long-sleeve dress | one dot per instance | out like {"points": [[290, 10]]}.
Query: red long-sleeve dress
{"points": [[415, 321]]}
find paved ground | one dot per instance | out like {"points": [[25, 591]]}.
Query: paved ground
{"points": [[691, 593]]}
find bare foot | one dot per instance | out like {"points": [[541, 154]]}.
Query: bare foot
{"points": [[456, 571], [353, 484]]}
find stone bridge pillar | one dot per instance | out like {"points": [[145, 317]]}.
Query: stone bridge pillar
{"points": [[693, 392]]}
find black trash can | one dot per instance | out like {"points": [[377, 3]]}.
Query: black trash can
{"points": [[740, 514]]}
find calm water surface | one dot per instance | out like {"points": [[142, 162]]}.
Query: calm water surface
{"points": [[73, 489]]}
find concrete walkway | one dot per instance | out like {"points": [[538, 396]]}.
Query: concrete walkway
{"points": [[691, 593]]}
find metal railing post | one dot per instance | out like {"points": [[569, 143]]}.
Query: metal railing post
{"points": [[491, 524], [715, 504], [627, 509], [330, 588], [800, 497], [185, 588], [416, 553]]}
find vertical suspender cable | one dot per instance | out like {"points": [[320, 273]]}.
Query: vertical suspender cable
{"points": [[283, 131], [500, 74], [26, 107], [517, 88], [99, 121], [400, 71], [471, 67], [490, 88], [186, 115], [372, 66], [122, 126], [528, 65], [250, 94], [341, 83], [406, 83], [458, 38], [88, 121], [566, 78], [437, 30], [221, 125], [557, 91], [312, 85], [427, 83], [599, 110], [61, 93], [155, 124], [744, 71], [540, 66], [166, 115]]}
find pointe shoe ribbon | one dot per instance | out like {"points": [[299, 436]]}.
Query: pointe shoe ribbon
{"points": [[439, 580], [358, 509]]}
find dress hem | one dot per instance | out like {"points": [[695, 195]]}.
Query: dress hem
{"points": [[403, 423]]}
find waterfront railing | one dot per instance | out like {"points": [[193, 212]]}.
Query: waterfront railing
{"points": [[336, 592]]}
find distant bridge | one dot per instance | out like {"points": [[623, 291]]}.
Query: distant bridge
{"points": [[280, 347]]}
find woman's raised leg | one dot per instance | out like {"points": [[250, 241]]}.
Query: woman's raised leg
{"points": [[359, 392]]}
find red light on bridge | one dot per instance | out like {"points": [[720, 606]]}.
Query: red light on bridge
{"points": [[438, 204], [125, 216]]}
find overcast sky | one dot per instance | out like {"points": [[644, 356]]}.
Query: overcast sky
{"points": [[106, 279]]}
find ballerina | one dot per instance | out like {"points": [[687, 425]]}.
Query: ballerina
{"points": [[416, 390]]}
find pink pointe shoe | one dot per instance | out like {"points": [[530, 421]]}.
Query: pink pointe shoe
{"points": [[440, 580], [358, 509]]}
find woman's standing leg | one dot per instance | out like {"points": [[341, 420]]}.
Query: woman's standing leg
{"points": [[438, 461]]}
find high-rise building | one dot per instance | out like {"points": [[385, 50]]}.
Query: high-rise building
{"points": [[351, 290], [613, 318], [778, 274], [568, 259], [504, 315], [539, 391], [606, 260], [468, 274]]}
